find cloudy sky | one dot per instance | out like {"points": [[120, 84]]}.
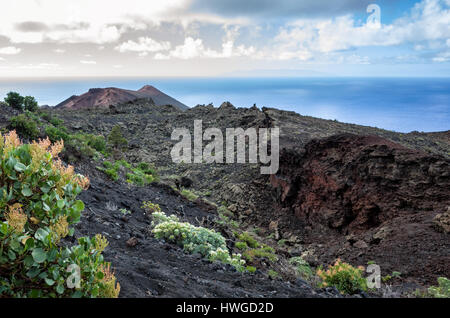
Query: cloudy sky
{"points": [[224, 37]]}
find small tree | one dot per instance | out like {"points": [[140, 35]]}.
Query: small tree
{"points": [[30, 104], [116, 139], [15, 100]]}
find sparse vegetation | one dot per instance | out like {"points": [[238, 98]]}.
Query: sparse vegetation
{"points": [[133, 175], [191, 196]]}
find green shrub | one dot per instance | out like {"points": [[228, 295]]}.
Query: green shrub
{"points": [[303, 269], [346, 278], [15, 100], [241, 246], [442, 290], [56, 134], [52, 120], [30, 104], [250, 269], [191, 196], [265, 252], [116, 139], [206, 242], [38, 206], [134, 176], [249, 239], [95, 142], [112, 174], [273, 274], [25, 126]]}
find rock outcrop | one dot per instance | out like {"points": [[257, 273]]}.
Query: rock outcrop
{"points": [[365, 198], [355, 183]]}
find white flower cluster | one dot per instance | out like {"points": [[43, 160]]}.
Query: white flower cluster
{"points": [[193, 239]]}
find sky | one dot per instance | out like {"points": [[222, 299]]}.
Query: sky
{"points": [[76, 38]]}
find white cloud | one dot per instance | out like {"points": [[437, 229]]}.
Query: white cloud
{"points": [[40, 66], [59, 51], [80, 21], [305, 39], [10, 50], [194, 48], [144, 45], [442, 57], [88, 62], [191, 48]]}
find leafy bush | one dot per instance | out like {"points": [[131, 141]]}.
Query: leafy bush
{"points": [[96, 142], [15, 100], [150, 207], [52, 120], [25, 126], [303, 269], [249, 239], [116, 139], [346, 278], [263, 252], [442, 290], [38, 206], [56, 134], [30, 104], [241, 246], [135, 175], [194, 239]]}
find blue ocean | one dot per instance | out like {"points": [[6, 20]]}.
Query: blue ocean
{"points": [[399, 104]]}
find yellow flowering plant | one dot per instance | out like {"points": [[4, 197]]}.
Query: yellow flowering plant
{"points": [[38, 206], [346, 278]]}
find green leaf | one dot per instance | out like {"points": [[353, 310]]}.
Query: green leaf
{"points": [[20, 167], [100, 275], [45, 189], [49, 282], [39, 255], [77, 294], [46, 207], [41, 235], [60, 289], [61, 204], [26, 191], [11, 255], [33, 272], [28, 261], [78, 206]]}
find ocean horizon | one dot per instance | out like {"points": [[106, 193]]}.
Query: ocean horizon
{"points": [[398, 104]]}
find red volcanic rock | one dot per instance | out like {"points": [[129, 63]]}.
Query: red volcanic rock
{"points": [[104, 97], [391, 201], [358, 182]]}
